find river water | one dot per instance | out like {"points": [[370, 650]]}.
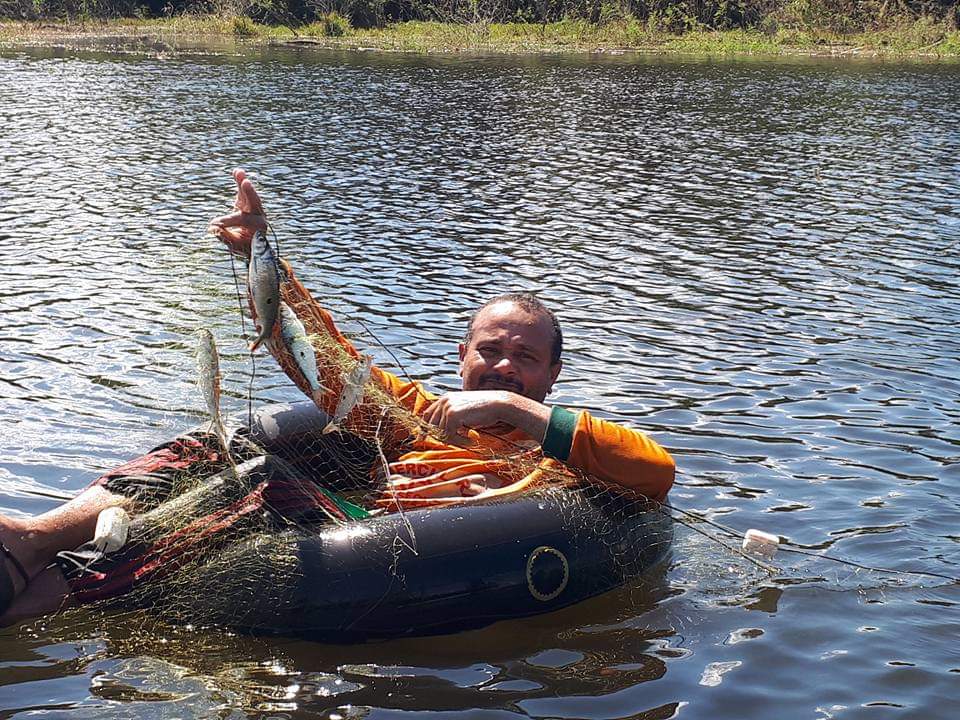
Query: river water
{"points": [[754, 261]]}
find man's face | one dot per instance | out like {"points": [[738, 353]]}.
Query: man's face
{"points": [[509, 349]]}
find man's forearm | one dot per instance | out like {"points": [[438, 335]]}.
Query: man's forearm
{"points": [[609, 451], [527, 415]]}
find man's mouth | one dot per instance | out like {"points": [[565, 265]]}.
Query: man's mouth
{"points": [[488, 382]]}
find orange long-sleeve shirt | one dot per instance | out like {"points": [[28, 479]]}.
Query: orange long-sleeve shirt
{"points": [[604, 450]]}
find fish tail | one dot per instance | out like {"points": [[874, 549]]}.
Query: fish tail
{"points": [[216, 427], [330, 427], [263, 333], [221, 432]]}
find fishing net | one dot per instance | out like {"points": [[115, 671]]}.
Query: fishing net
{"points": [[223, 523], [235, 528]]}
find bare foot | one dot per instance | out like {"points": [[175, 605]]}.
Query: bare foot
{"points": [[236, 230], [17, 561]]}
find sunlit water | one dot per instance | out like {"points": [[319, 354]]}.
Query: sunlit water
{"points": [[756, 262]]}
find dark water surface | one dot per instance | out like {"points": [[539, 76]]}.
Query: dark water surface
{"points": [[756, 262]]}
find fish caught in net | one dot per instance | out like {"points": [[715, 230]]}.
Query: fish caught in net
{"points": [[347, 515]]}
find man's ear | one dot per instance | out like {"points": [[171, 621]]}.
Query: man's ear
{"points": [[554, 373], [462, 350]]}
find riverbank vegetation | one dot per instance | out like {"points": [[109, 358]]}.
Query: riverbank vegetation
{"points": [[873, 27]]}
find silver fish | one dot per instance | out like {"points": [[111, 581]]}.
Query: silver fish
{"points": [[294, 336], [208, 379], [263, 284], [352, 393]]}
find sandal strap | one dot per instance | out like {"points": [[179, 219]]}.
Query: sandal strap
{"points": [[7, 592], [16, 563]]}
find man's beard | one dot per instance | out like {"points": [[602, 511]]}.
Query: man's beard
{"points": [[492, 381]]}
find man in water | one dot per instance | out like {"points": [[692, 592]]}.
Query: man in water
{"points": [[509, 360]]}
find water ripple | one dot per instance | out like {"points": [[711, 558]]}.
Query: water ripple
{"points": [[755, 262]]}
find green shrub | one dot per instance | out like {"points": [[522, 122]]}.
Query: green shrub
{"points": [[613, 11], [243, 27], [69, 9], [331, 24], [920, 22], [358, 13], [950, 45]]}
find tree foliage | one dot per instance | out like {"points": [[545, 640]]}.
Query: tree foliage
{"points": [[665, 15]]}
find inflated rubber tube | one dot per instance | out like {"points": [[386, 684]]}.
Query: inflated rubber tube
{"points": [[421, 572], [462, 567]]}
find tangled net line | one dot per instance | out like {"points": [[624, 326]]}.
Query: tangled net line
{"points": [[219, 543]]}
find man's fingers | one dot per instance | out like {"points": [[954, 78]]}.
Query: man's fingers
{"points": [[237, 228], [473, 485], [436, 413], [431, 411], [438, 486], [242, 219], [460, 437], [232, 220], [248, 200], [227, 235], [239, 175], [236, 241], [452, 431]]}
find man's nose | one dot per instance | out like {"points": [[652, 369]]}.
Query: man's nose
{"points": [[504, 366]]}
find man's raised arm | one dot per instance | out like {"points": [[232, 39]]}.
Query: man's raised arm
{"points": [[236, 231]]}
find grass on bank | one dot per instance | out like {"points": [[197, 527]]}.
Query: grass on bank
{"points": [[907, 38]]}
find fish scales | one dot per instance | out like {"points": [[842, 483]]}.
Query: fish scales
{"points": [[263, 284], [208, 379], [352, 393], [298, 344]]}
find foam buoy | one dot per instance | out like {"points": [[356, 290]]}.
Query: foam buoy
{"points": [[760, 542], [111, 532]]}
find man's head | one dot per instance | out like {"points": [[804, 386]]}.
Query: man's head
{"points": [[513, 342]]}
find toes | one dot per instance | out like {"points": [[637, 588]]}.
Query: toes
{"points": [[249, 200]]}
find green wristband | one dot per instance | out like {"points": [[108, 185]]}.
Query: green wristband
{"points": [[558, 440]]}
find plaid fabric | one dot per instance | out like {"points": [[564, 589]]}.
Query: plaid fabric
{"points": [[163, 557], [279, 490], [150, 478]]}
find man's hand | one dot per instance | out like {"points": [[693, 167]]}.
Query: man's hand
{"points": [[446, 483], [456, 412], [236, 230]]}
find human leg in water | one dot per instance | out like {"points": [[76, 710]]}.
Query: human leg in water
{"points": [[30, 545], [140, 484]]}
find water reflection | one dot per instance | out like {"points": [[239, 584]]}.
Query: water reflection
{"points": [[757, 262]]}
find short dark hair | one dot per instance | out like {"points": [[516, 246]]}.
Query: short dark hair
{"points": [[531, 304]]}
